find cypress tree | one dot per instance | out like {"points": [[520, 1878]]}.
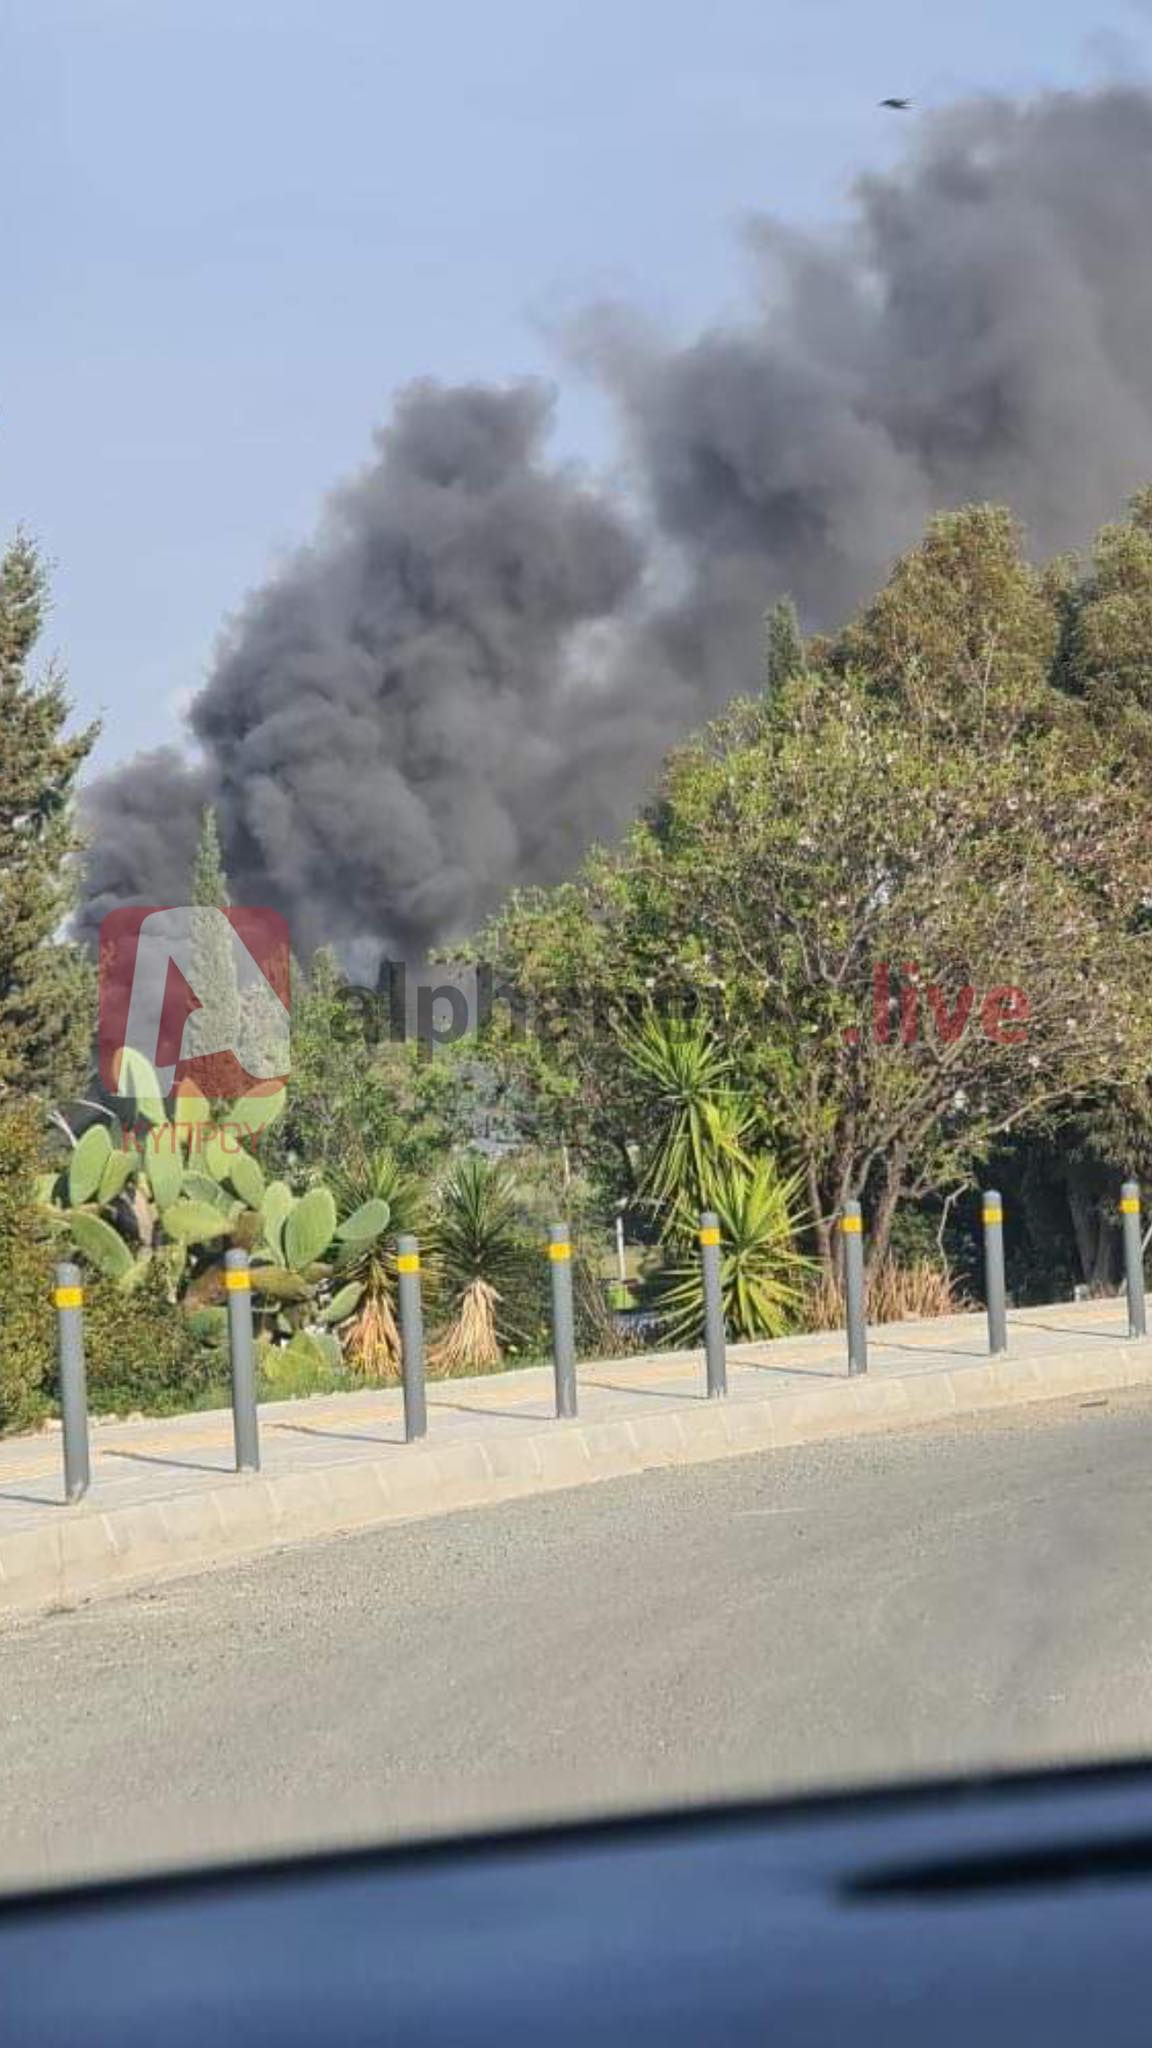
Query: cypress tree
{"points": [[783, 644], [47, 988], [214, 966], [209, 880]]}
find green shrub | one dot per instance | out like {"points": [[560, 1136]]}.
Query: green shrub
{"points": [[142, 1351], [310, 1364], [139, 1348], [27, 1325]]}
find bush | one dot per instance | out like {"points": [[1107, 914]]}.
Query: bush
{"points": [[27, 1322], [141, 1351], [290, 1372]]}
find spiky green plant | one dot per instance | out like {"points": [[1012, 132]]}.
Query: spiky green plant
{"points": [[380, 1177], [481, 1253], [701, 1122], [762, 1274], [373, 1187], [478, 1229]]}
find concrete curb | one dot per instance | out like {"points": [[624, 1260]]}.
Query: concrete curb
{"points": [[88, 1551]]}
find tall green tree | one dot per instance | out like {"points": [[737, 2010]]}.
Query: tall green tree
{"points": [[215, 1027], [209, 879], [47, 992], [783, 645], [26, 1254], [964, 634], [1105, 663], [1106, 655]]}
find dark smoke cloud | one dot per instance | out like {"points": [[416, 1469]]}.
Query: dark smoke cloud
{"points": [[979, 332], [141, 822], [385, 717], [468, 675]]}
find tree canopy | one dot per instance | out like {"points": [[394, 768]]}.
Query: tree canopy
{"points": [[924, 816], [46, 990]]}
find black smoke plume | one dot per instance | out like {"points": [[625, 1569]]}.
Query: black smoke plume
{"points": [[476, 666]]}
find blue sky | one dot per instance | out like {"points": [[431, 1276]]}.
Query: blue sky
{"points": [[233, 228]]}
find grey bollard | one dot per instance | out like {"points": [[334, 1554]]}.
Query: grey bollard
{"points": [[993, 1219], [563, 1329], [245, 1423], [715, 1336], [1133, 1258], [69, 1299], [856, 1317], [411, 1339]]}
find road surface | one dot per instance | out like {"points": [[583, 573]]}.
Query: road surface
{"points": [[935, 1600]]}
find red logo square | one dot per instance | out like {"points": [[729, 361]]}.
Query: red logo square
{"points": [[203, 994]]}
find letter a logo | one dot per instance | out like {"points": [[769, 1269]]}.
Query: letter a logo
{"points": [[201, 993]]}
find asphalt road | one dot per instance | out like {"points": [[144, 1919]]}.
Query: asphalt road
{"points": [[933, 1601]]}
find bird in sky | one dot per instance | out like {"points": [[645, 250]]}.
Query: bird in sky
{"points": [[899, 106]]}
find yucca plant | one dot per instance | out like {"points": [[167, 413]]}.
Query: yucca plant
{"points": [[480, 1251], [762, 1274], [703, 1120], [371, 1334]]}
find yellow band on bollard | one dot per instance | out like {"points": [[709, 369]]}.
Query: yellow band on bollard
{"points": [[993, 1215], [238, 1282], [852, 1226], [1130, 1206], [69, 1297], [710, 1236], [408, 1262], [560, 1251]]}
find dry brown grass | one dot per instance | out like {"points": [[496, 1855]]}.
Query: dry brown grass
{"points": [[470, 1342], [598, 1332], [897, 1294], [372, 1343]]}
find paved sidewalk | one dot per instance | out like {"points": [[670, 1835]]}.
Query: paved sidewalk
{"points": [[165, 1498]]}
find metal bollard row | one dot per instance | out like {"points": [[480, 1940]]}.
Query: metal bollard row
{"points": [[69, 1303], [855, 1292], [992, 1222]]}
